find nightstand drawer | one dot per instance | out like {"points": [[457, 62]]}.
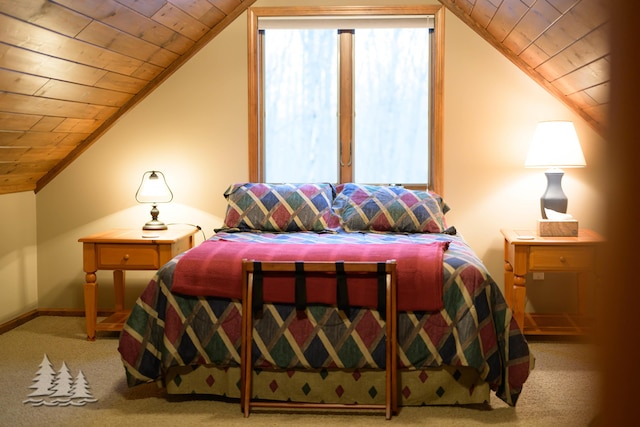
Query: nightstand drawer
{"points": [[562, 258], [127, 257]]}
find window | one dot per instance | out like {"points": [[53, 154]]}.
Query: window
{"points": [[345, 94]]}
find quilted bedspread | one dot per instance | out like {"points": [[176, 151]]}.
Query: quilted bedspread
{"points": [[475, 327]]}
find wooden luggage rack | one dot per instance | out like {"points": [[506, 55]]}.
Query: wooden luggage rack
{"points": [[386, 274]]}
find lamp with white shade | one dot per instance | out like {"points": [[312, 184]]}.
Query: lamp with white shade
{"points": [[154, 189], [555, 145]]}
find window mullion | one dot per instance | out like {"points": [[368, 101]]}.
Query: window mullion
{"points": [[346, 108]]}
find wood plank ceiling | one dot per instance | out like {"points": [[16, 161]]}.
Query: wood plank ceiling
{"points": [[70, 68]]}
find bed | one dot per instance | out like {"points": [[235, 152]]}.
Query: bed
{"points": [[457, 341]]}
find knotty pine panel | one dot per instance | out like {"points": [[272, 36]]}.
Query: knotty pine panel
{"points": [[213, 17], [562, 5], [15, 183], [226, 6], [12, 81], [599, 93], [179, 21], [533, 23], [12, 154], [53, 107], [30, 139], [78, 93], [590, 48], [34, 154], [201, 11], [108, 37], [17, 122], [162, 58], [147, 71], [585, 77], [506, 18], [590, 13], [122, 83], [572, 26], [78, 125], [47, 124], [50, 43], [466, 6], [533, 56], [26, 61], [72, 139], [130, 21], [482, 12], [147, 8], [583, 98], [26, 168], [46, 14]]}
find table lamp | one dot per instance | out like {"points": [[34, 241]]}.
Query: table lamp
{"points": [[555, 145], [154, 189]]}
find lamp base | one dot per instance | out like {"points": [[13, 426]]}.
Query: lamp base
{"points": [[154, 224], [553, 197]]}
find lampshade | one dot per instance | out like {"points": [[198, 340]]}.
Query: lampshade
{"points": [[154, 189], [554, 145]]}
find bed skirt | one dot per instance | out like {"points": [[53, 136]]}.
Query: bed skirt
{"points": [[433, 386]]}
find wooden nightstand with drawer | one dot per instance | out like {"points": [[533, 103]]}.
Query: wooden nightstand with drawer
{"points": [[553, 254], [120, 250]]}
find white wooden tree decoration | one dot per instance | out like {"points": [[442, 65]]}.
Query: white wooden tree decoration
{"points": [[58, 389]]}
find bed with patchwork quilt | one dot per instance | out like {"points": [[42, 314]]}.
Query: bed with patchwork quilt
{"points": [[457, 339]]}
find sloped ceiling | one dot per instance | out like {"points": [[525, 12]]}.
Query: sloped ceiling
{"points": [[562, 44], [70, 68]]}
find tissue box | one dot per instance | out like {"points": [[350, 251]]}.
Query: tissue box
{"points": [[557, 228]]}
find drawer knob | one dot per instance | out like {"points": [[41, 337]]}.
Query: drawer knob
{"points": [[563, 259], [126, 257]]}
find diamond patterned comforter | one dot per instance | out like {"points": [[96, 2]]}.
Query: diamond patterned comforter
{"points": [[475, 328]]}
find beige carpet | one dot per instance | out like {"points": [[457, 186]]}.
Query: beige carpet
{"points": [[559, 392]]}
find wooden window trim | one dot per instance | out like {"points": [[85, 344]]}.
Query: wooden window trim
{"points": [[436, 182], [346, 113]]}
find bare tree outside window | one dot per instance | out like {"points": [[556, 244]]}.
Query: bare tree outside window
{"points": [[300, 105], [392, 105]]}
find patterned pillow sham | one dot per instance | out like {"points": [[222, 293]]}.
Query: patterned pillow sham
{"points": [[280, 207], [443, 205], [389, 208]]}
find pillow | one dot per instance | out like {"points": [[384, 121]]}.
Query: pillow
{"points": [[443, 205], [389, 208], [280, 207]]}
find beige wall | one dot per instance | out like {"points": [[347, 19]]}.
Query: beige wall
{"points": [[194, 129], [18, 257]]}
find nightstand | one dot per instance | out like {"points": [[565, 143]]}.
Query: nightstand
{"points": [[553, 254], [120, 250]]}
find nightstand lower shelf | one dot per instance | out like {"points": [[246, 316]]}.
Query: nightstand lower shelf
{"points": [[115, 322], [557, 324]]}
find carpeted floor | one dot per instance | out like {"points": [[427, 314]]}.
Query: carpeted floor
{"points": [[560, 391]]}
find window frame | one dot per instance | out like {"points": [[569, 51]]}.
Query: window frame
{"points": [[256, 172]]}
